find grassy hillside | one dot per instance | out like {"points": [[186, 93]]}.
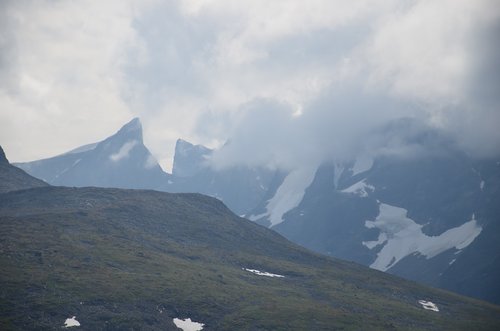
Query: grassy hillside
{"points": [[133, 260]]}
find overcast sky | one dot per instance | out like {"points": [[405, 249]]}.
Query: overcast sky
{"points": [[284, 80]]}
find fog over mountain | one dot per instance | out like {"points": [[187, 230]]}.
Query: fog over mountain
{"points": [[321, 73]]}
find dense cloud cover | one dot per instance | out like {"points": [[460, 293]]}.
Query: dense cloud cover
{"points": [[284, 81]]}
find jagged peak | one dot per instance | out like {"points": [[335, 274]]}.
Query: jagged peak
{"points": [[189, 158], [183, 145], [134, 125], [131, 130], [181, 142]]}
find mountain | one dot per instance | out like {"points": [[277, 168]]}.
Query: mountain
{"points": [[241, 188], [431, 215], [189, 159], [13, 178], [120, 161], [113, 259], [422, 209]]}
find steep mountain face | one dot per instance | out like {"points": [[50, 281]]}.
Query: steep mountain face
{"points": [[432, 217], [121, 161], [116, 259], [189, 159], [240, 188], [13, 178]]}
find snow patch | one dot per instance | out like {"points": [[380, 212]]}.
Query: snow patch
{"points": [[339, 169], [360, 188], [288, 195], [402, 236], [124, 151], [70, 322], [362, 164], [382, 238], [428, 305], [254, 218], [263, 273], [188, 325]]}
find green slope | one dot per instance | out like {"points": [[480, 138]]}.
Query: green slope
{"points": [[133, 260]]}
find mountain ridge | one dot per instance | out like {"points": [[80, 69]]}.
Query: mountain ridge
{"points": [[13, 178]]}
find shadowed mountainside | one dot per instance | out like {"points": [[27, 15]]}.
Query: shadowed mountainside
{"points": [[13, 178]]}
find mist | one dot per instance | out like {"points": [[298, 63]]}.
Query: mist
{"points": [[274, 83]]}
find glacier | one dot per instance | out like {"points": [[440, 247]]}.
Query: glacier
{"points": [[289, 195]]}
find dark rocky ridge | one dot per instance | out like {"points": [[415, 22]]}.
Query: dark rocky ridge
{"points": [[13, 178]]}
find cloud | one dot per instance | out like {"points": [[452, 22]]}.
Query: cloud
{"points": [[124, 151], [424, 60], [211, 70], [336, 126], [61, 78]]}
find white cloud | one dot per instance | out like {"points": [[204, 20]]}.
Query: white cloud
{"points": [[124, 151], [72, 72], [151, 162], [64, 72]]}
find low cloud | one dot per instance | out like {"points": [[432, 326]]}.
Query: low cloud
{"points": [[124, 151], [283, 81], [431, 63]]}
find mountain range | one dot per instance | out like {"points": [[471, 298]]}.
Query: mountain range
{"points": [[430, 214], [121, 259]]}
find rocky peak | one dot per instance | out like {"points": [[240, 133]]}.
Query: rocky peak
{"points": [[3, 158]]}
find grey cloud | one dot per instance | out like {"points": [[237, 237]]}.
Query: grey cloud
{"points": [[348, 116], [212, 71], [337, 126]]}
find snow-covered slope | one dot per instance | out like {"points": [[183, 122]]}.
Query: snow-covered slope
{"points": [[401, 236], [287, 196]]}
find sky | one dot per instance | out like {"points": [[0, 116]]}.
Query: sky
{"points": [[282, 81]]}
